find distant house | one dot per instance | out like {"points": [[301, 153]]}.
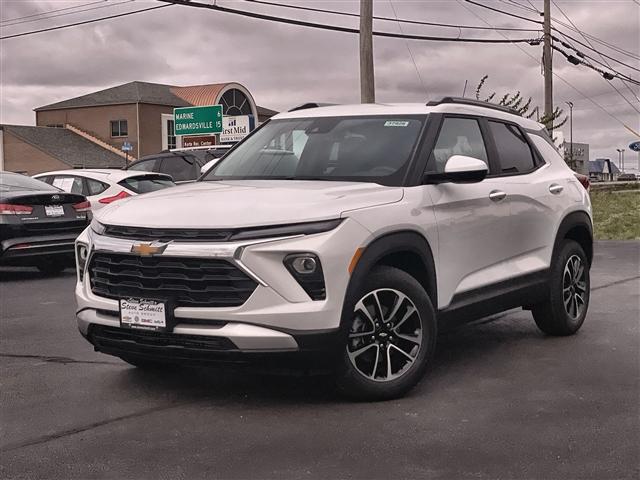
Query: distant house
{"points": [[603, 169]]}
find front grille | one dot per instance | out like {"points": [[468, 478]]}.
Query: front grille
{"points": [[159, 344], [168, 234], [188, 282]]}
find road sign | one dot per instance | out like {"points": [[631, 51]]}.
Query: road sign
{"points": [[235, 128], [635, 146], [127, 147], [198, 141], [197, 120]]}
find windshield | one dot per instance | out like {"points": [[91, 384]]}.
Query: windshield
{"points": [[365, 149], [16, 182]]}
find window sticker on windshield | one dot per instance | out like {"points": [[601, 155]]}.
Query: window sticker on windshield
{"points": [[395, 123]]}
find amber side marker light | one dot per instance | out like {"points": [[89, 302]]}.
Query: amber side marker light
{"points": [[354, 260]]}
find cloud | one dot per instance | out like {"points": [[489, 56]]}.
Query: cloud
{"points": [[285, 65]]}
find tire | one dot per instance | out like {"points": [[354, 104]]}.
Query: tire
{"points": [[52, 267], [570, 282], [363, 372]]}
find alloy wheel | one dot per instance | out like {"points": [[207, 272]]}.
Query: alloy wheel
{"points": [[574, 287], [385, 336]]}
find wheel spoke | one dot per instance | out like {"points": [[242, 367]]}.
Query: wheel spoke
{"points": [[375, 363], [579, 299], [410, 338], [396, 307], [579, 273], [402, 352], [380, 314], [356, 353], [360, 306], [410, 311], [389, 374], [361, 334], [581, 286]]}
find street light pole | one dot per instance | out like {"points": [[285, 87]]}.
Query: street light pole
{"points": [[571, 131], [623, 160]]}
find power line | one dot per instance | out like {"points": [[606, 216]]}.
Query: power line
{"points": [[554, 28], [337, 28], [33, 32], [406, 42], [110, 4], [388, 19], [606, 63], [554, 73], [52, 11]]}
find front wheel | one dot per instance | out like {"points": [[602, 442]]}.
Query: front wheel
{"points": [[391, 337], [565, 308]]}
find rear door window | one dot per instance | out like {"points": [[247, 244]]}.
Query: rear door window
{"points": [[458, 136], [69, 184], [145, 165], [181, 168], [95, 187], [514, 151]]}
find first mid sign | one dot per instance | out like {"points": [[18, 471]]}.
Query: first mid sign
{"points": [[197, 120]]}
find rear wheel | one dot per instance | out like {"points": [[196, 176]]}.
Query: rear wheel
{"points": [[565, 308], [391, 338]]}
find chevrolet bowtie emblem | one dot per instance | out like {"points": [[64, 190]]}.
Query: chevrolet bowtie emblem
{"points": [[148, 249]]}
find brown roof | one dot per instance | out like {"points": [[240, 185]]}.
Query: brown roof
{"points": [[199, 94]]}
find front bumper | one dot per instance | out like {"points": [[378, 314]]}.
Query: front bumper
{"points": [[278, 319]]}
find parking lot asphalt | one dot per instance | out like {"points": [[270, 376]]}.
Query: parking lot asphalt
{"points": [[502, 401]]}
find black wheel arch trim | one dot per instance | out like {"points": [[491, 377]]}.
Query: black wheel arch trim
{"points": [[394, 242], [570, 221]]}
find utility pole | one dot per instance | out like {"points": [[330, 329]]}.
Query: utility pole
{"points": [[367, 82], [547, 66], [571, 130]]}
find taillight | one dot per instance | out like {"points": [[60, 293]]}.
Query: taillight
{"points": [[8, 209], [82, 206], [584, 180], [119, 196]]}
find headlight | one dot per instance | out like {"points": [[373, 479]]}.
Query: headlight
{"points": [[82, 255], [97, 227], [307, 270]]}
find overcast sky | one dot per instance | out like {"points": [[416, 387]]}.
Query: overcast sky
{"points": [[285, 65]]}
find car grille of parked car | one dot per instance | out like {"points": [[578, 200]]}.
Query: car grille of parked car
{"points": [[168, 234], [187, 282]]}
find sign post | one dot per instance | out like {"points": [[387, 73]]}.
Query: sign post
{"points": [[198, 120], [126, 148]]}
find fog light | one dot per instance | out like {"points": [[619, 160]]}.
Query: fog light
{"points": [[82, 254], [304, 265], [307, 270]]}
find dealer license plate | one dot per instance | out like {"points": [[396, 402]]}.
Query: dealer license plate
{"points": [[140, 313], [54, 210]]}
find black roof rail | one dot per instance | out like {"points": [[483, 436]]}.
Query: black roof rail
{"points": [[475, 103], [304, 106]]}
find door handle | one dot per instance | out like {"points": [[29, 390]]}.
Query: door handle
{"points": [[497, 195], [555, 188]]}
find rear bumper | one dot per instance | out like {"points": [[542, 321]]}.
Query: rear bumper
{"points": [[26, 250], [208, 343]]}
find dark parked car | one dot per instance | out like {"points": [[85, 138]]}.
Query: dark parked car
{"points": [[627, 177], [39, 223], [183, 166]]}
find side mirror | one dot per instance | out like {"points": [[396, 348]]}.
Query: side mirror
{"points": [[460, 169], [207, 166]]}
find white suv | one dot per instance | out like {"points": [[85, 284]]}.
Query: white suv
{"points": [[344, 234]]}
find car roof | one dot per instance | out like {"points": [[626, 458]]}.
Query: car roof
{"points": [[103, 174], [407, 109]]}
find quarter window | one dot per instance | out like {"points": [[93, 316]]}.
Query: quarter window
{"points": [[95, 187], [458, 136], [119, 128], [513, 149]]}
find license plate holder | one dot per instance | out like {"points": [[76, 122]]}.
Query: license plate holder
{"points": [[54, 210], [145, 314]]}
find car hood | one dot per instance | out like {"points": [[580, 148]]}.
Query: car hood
{"points": [[242, 203]]}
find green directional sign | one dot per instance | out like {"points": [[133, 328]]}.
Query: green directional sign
{"points": [[197, 120]]}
